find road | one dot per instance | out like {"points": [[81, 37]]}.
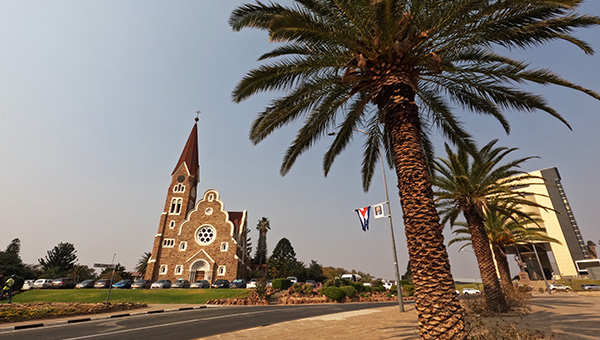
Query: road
{"points": [[181, 325]]}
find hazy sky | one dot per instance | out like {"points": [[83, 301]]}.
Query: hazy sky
{"points": [[97, 99]]}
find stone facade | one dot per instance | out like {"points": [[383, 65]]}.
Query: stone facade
{"points": [[197, 240]]}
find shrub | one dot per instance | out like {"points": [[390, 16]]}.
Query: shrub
{"points": [[297, 288], [379, 288], [408, 290], [349, 291], [333, 293], [281, 284], [332, 283], [307, 289]]}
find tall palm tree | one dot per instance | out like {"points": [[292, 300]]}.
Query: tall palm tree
{"points": [[505, 227], [466, 184], [392, 67], [263, 226]]}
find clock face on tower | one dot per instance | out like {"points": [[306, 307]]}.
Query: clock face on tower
{"points": [[181, 178]]}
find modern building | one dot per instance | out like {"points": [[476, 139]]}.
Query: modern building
{"points": [[197, 240], [558, 222]]}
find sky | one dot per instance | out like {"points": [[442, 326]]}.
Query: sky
{"points": [[97, 99]]}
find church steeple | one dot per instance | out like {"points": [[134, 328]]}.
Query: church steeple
{"points": [[189, 156]]}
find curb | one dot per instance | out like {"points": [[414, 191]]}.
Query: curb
{"points": [[84, 319]]}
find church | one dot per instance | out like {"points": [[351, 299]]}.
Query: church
{"points": [[197, 240]]}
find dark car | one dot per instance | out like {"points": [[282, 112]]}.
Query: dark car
{"points": [[221, 284], [181, 283], [590, 287], [102, 284], [238, 283], [63, 282], [312, 283], [85, 284], [200, 284], [141, 284], [123, 284]]}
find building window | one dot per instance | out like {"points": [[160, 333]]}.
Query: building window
{"points": [[224, 246], [168, 242], [178, 269], [171, 224], [205, 235], [221, 271], [179, 188], [176, 206], [163, 269], [183, 246]]}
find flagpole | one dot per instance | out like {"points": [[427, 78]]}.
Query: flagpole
{"points": [[387, 201]]}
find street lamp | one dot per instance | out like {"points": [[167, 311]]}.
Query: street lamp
{"points": [[387, 201]]}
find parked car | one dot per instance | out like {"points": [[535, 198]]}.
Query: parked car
{"points": [[293, 279], [200, 284], [141, 284], [181, 283], [123, 284], [312, 283], [85, 284], [161, 284], [471, 291], [42, 283], [238, 283], [104, 283], [222, 283], [252, 283], [590, 287], [557, 286], [64, 282], [27, 285]]}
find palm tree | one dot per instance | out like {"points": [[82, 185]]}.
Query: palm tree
{"points": [[142, 264], [465, 186], [505, 230], [391, 67], [263, 226]]}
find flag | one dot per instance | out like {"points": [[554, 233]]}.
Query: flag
{"points": [[363, 216]]}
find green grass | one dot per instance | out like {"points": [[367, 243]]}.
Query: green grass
{"points": [[158, 296]]}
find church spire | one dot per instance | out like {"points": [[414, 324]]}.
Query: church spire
{"points": [[189, 156]]}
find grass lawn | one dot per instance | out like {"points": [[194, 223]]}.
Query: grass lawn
{"points": [[155, 296]]}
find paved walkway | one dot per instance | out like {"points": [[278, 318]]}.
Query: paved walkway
{"points": [[569, 316]]}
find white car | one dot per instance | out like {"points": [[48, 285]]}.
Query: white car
{"points": [[42, 283], [251, 284], [27, 285], [292, 278], [557, 286], [470, 291]]}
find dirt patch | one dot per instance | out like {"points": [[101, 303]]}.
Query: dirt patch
{"points": [[45, 310]]}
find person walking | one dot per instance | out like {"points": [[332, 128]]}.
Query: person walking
{"points": [[8, 287]]}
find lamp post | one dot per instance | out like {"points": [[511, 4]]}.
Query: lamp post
{"points": [[387, 201]]}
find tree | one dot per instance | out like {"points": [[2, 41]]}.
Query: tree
{"points": [[393, 67], [82, 272], [120, 273], [263, 227], [315, 272], [591, 246], [11, 262], [466, 185], [60, 260], [282, 262], [505, 227], [142, 264]]}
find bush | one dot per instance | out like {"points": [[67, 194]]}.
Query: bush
{"points": [[333, 293], [307, 289], [349, 291], [281, 284], [379, 288], [408, 290], [332, 283]]}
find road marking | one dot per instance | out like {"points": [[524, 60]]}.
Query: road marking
{"points": [[170, 324]]}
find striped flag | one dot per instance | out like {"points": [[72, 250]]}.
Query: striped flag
{"points": [[363, 216]]}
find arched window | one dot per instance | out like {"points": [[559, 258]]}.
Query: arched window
{"points": [[221, 271], [176, 206], [163, 269], [179, 188], [224, 246]]}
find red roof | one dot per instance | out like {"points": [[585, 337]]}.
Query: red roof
{"points": [[189, 156]]}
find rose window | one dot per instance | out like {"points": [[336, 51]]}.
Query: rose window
{"points": [[205, 235]]}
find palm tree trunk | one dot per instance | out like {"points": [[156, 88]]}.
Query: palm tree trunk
{"points": [[494, 296], [503, 268], [438, 309]]}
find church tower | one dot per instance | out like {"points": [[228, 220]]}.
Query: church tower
{"points": [[181, 197]]}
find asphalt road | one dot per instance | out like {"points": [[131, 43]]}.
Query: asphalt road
{"points": [[181, 325]]}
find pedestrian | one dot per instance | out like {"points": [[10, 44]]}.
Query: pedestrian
{"points": [[8, 287]]}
